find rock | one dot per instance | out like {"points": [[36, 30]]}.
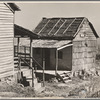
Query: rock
{"points": [[53, 80], [82, 94], [48, 92], [61, 84]]}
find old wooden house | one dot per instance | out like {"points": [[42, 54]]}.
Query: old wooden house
{"points": [[65, 44], [7, 11]]}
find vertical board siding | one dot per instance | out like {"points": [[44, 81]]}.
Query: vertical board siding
{"points": [[6, 41], [84, 49]]}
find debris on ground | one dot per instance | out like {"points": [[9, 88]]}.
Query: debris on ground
{"points": [[88, 87], [77, 88], [16, 90]]}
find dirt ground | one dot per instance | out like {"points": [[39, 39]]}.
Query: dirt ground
{"points": [[76, 88]]}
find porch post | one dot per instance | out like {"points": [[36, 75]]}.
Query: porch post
{"points": [[18, 51], [25, 51], [18, 45], [56, 61], [31, 54], [43, 52], [19, 60]]}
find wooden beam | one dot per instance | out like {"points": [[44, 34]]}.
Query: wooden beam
{"points": [[31, 52], [31, 65], [25, 51], [18, 45], [43, 53], [19, 60], [64, 46], [56, 62]]}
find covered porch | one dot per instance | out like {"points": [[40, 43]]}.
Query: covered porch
{"points": [[53, 55]]}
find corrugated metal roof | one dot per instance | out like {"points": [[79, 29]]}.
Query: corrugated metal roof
{"points": [[63, 28], [49, 43]]}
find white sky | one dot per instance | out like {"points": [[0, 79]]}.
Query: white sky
{"points": [[31, 13]]}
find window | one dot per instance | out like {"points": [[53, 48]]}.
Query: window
{"points": [[60, 55]]}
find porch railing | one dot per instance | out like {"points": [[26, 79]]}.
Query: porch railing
{"points": [[21, 59]]}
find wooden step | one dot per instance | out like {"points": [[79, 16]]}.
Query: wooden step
{"points": [[64, 76], [15, 65], [15, 58], [15, 62]]}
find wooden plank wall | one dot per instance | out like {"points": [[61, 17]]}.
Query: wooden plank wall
{"points": [[84, 49], [6, 41]]}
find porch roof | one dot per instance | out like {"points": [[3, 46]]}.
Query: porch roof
{"points": [[50, 43]]}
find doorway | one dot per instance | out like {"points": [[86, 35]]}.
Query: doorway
{"points": [[47, 59]]}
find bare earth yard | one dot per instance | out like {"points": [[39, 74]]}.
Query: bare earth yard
{"points": [[76, 88]]}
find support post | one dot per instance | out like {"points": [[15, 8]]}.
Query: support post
{"points": [[18, 46], [25, 51], [18, 50], [19, 60], [56, 62], [43, 51], [31, 54]]}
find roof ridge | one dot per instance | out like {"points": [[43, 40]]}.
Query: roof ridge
{"points": [[62, 17]]}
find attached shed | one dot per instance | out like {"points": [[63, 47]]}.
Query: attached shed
{"points": [[22, 34], [65, 43], [7, 11]]}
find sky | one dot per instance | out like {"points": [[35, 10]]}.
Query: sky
{"points": [[32, 13]]}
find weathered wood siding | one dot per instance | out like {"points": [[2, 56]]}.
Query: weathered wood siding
{"points": [[84, 49], [6, 41]]}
